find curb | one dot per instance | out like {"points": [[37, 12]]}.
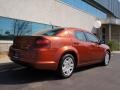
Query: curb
{"points": [[116, 52], [5, 60]]}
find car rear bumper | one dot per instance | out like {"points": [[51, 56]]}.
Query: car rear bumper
{"points": [[37, 65], [39, 59]]}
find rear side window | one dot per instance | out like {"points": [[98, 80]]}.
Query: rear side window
{"points": [[52, 32], [91, 37], [80, 36]]}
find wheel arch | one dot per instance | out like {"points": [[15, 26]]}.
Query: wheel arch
{"points": [[108, 50], [76, 58]]}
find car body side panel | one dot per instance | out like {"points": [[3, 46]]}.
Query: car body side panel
{"points": [[83, 48], [96, 52], [65, 49]]}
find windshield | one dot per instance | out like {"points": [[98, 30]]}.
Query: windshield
{"points": [[52, 32]]}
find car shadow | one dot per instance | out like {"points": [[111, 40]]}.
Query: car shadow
{"points": [[83, 68], [11, 73]]}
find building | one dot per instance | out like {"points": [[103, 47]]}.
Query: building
{"points": [[33, 15], [110, 29]]}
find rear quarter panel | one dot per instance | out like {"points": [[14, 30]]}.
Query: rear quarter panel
{"points": [[60, 45]]}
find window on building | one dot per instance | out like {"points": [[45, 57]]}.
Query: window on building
{"points": [[81, 5], [14, 27]]}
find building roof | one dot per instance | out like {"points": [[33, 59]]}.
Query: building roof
{"points": [[108, 6]]}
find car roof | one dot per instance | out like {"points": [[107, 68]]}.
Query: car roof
{"points": [[65, 28], [76, 29]]}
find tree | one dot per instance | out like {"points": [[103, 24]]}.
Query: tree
{"points": [[7, 33], [22, 27], [1, 32]]}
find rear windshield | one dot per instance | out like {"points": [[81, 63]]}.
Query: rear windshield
{"points": [[52, 32]]}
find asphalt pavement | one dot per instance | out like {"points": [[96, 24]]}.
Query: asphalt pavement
{"points": [[93, 77]]}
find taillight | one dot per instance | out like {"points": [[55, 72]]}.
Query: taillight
{"points": [[42, 43]]}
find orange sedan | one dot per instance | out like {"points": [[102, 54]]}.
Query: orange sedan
{"points": [[61, 49]]}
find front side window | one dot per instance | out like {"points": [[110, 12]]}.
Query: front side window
{"points": [[91, 38], [80, 35]]}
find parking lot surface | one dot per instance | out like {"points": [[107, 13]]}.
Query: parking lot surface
{"points": [[94, 77]]}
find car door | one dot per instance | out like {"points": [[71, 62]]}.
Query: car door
{"points": [[79, 42], [95, 49]]}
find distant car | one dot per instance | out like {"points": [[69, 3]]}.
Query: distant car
{"points": [[61, 49]]}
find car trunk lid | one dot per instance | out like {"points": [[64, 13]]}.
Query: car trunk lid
{"points": [[25, 42]]}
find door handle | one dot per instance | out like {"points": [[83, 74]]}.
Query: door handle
{"points": [[76, 43]]}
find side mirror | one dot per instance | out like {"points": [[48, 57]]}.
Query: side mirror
{"points": [[101, 42]]}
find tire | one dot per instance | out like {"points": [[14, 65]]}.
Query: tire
{"points": [[66, 66], [106, 59]]}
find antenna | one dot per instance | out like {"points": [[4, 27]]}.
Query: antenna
{"points": [[52, 25]]}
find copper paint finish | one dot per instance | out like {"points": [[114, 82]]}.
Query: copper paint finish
{"points": [[25, 51]]}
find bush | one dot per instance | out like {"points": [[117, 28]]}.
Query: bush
{"points": [[114, 45]]}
